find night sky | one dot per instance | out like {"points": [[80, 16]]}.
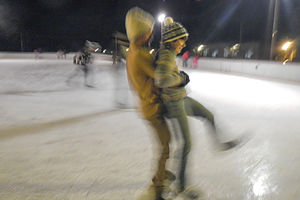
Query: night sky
{"points": [[66, 24]]}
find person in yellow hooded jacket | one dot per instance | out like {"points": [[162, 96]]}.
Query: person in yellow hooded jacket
{"points": [[140, 72]]}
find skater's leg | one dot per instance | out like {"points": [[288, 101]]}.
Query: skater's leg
{"points": [[184, 63], [73, 74], [163, 136], [176, 111], [194, 108], [86, 71], [183, 123]]}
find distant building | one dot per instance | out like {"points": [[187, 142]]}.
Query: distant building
{"points": [[228, 50]]}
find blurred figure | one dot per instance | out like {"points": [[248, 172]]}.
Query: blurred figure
{"points": [[64, 54], [83, 59], [195, 62], [172, 83], [115, 57], [60, 54], [76, 58], [185, 58], [249, 54], [121, 86], [140, 70], [37, 53]]}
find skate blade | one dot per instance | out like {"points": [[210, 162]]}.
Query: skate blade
{"points": [[191, 193], [149, 194]]}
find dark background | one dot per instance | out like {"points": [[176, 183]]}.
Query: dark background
{"points": [[66, 24]]}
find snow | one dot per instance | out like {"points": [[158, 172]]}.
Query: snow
{"points": [[66, 141]]}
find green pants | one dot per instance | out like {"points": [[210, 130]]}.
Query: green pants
{"points": [[179, 110]]}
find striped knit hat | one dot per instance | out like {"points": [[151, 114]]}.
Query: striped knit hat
{"points": [[173, 31]]}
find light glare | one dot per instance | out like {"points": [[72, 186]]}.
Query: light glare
{"points": [[286, 45], [201, 47], [161, 17]]}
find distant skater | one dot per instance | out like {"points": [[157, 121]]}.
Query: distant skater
{"points": [[195, 62], [84, 60], [185, 58]]}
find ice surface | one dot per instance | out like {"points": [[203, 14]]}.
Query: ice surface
{"points": [[60, 141]]}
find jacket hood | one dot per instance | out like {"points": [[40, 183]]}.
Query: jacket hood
{"points": [[138, 23]]}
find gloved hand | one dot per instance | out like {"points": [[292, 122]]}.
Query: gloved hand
{"points": [[186, 79]]}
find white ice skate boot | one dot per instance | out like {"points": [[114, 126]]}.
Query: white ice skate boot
{"points": [[191, 193]]}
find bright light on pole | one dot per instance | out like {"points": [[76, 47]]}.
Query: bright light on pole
{"points": [[161, 18], [275, 4], [286, 45], [151, 51], [201, 47]]}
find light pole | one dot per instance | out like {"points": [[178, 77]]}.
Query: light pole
{"points": [[21, 41], [161, 18], [274, 27]]}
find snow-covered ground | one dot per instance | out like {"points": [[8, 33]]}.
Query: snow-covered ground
{"points": [[68, 142]]}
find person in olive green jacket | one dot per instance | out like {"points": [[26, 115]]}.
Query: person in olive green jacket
{"points": [[172, 82], [140, 71]]}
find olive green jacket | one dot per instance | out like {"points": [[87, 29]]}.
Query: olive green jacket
{"points": [[168, 76]]}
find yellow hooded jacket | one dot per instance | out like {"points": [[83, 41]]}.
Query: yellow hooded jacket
{"points": [[140, 63]]}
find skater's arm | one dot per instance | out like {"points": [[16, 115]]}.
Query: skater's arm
{"points": [[166, 72]]}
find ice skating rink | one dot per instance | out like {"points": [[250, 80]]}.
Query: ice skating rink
{"points": [[63, 141]]}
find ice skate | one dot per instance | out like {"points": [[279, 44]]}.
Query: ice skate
{"points": [[68, 83], [225, 146], [234, 144], [150, 194], [165, 189], [170, 177], [228, 145], [89, 86], [191, 193]]}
